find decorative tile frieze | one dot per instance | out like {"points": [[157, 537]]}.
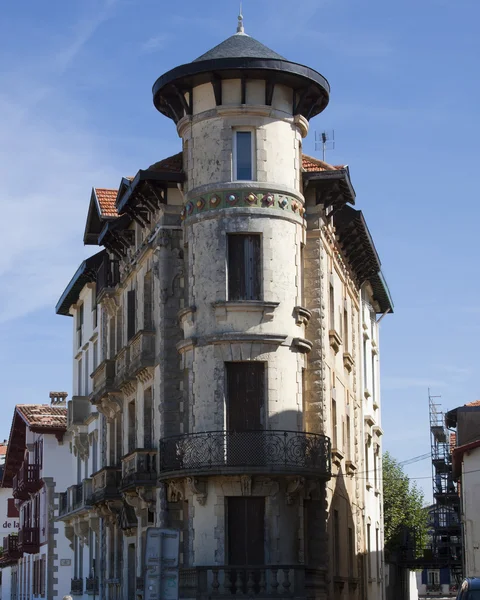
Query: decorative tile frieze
{"points": [[241, 198]]}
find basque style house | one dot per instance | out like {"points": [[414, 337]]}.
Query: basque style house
{"points": [[36, 467], [226, 352]]}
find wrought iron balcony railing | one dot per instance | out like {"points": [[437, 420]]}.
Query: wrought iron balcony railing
{"points": [[258, 451], [139, 468], [265, 581], [27, 481], [11, 551], [29, 540]]}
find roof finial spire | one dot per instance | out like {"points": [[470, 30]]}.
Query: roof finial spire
{"points": [[240, 28]]}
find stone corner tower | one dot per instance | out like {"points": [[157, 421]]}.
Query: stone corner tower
{"points": [[243, 461]]}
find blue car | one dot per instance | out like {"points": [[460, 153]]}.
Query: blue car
{"points": [[470, 589]]}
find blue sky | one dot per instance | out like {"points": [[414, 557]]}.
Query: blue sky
{"points": [[76, 112]]}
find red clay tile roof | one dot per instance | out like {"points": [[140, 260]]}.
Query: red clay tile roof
{"points": [[453, 442], [43, 416], [3, 449], [474, 403], [106, 201], [309, 163], [173, 164]]}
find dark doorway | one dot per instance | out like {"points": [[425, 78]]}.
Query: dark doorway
{"points": [[246, 524]]}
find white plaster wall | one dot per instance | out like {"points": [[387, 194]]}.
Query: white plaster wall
{"points": [[471, 511], [90, 334], [6, 587], [8, 525], [63, 552], [57, 462]]}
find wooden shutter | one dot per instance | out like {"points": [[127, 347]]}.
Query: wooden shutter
{"points": [[245, 395], [131, 325], [12, 510], [244, 267], [246, 526]]}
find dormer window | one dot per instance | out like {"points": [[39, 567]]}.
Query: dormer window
{"points": [[243, 155]]}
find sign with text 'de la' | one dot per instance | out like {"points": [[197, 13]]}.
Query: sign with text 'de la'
{"points": [[161, 564]]}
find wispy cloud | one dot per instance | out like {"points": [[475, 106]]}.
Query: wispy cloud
{"points": [[156, 42], [49, 160]]}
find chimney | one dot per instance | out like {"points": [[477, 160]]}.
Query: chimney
{"points": [[58, 398]]}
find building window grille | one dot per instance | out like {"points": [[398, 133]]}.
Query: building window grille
{"points": [[244, 267]]}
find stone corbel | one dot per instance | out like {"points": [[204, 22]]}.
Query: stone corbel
{"points": [[295, 488], [246, 485], [198, 488], [128, 387], [80, 442], [175, 491], [81, 529], [148, 497], [111, 405], [110, 303], [70, 534], [136, 503], [94, 523]]}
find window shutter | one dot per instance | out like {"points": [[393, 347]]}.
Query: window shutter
{"points": [[12, 510], [131, 325]]}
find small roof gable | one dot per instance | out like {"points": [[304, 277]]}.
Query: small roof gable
{"points": [[85, 273], [43, 417], [311, 164], [101, 209]]}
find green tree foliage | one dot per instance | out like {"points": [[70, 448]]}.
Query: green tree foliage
{"points": [[403, 508]]}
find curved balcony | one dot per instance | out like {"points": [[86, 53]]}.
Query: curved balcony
{"points": [[230, 452]]}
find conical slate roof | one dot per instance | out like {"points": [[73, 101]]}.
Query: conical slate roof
{"points": [[239, 45]]}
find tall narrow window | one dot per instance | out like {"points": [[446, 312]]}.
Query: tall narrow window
{"points": [[367, 466], [369, 550], [373, 377], [111, 338], [95, 354], [365, 365], [119, 322], [243, 155], [131, 315], [87, 375], [345, 330], [331, 300], [351, 552], [131, 426], [375, 469], [79, 325], [377, 552], [244, 267], [349, 440], [148, 419], [336, 542], [79, 376], [334, 424], [148, 301], [94, 308]]}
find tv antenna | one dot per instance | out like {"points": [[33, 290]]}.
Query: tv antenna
{"points": [[325, 141]]}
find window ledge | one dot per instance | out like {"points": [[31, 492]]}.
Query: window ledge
{"points": [[348, 361], [337, 456], [369, 420], [368, 485], [351, 467], [377, 492], [367, 393], [222, 308], [335, 340], [377, 430]]}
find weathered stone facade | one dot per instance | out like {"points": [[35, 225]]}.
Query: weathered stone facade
{"points": [[236, 378]]}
